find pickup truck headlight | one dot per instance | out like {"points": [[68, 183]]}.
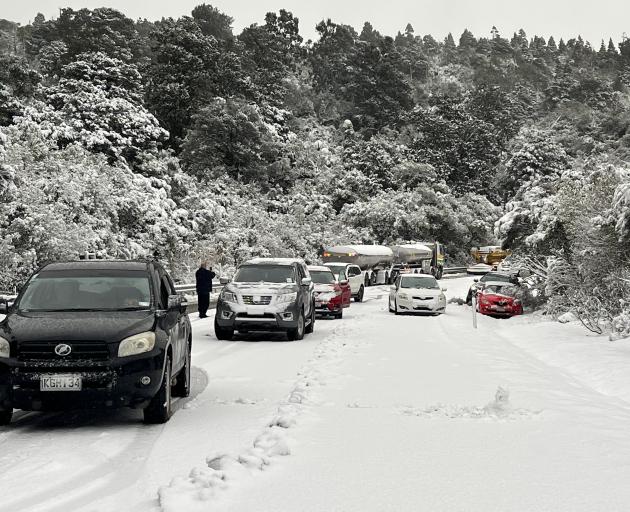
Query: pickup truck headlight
{"points": [[137, 344], [5, 348], [284, 298], [328, 296], [229, 297]]}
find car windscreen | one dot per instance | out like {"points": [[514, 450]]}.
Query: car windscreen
{"points": [[322, 277], [419, 282], [498, 289], [493, 276], [87, 290], [265, 273]]}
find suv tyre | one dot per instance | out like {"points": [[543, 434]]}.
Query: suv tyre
{"points": [[311, 327], [182, 386], [359, 297], [221, 333], [5, 416], [298, 332], [159, 408]]}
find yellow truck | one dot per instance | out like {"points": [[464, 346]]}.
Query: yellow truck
{"points": [[490, 254]]}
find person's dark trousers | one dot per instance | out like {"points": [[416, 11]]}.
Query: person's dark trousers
{"points": [[203, 301]]}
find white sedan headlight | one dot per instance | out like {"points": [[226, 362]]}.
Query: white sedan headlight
{"points": [[137, 344], [5, 348], [287, 297], [403, 296], [229, 297]]}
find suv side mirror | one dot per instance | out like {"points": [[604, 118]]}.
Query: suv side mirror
{"points": [[224, 280], [175, 302], [306, 281]]}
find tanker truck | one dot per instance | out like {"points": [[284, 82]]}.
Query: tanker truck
{"points": [[374, 262], [422, 257]]}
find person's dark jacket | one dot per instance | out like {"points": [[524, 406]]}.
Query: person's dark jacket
{"points": [[204, 279]]}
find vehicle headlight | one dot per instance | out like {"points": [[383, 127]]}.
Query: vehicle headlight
{"points": [[287, 297], [137, 344], [229, 297], [327, 296], [403, 296], [5, 348]]}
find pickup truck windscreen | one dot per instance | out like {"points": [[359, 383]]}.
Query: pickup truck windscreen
{"points": [[83, 290], [265, 274]]}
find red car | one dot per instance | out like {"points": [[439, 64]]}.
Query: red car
{"points": [[498, 299], [332, 296]]}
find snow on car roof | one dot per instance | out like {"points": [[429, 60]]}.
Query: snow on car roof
{"points": [[498, 283], [96, 265], [273, 261], [367, 250], [318, 268]]}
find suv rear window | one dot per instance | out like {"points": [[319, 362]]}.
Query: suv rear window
{"points": [[77, 290], [322, 277], [265, 273]]}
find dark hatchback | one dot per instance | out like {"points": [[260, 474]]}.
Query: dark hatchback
{"points": [[91, 334]]}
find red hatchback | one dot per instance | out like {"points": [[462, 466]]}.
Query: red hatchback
{"points": [[498, 299], [331, 296]]}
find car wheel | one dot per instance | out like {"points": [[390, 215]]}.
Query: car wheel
{"points": [[221, 333], [311, 327], [339, 315], [440, 273], [469, 299], [396, 312], [159, 408], [359, 297], [389, 303], [298, 332], [182, 386], [5, 416]]}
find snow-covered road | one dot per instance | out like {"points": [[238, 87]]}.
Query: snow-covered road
{"points": [[374, 412]]}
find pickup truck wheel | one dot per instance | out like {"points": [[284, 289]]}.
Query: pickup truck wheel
{"points": [[359, 297], [5, 416], [159, 409], [298, 332], [440, 273], [182, 386], [311, 327], [339, 315], [221, 333]]}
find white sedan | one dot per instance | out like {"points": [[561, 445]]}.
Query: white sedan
{"points": [[413, 293]]}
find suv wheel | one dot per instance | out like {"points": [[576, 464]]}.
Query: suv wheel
{"points": [[182, 386], [311, 327], [221, 333], [359, 297], [298, 332], [5, 416], [159, 408]]}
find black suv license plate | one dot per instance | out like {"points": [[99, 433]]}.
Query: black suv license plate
{"points": [[60, 382]]}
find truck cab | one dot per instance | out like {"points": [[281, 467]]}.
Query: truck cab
{"points": [[353, 274]]}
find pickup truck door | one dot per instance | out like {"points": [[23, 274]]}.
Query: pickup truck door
{"points": [[356, 278]]}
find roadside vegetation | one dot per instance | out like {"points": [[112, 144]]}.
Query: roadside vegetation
{"points": [[179, 138]]}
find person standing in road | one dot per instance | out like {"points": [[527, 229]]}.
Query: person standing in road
{"points": [[204, 277]]}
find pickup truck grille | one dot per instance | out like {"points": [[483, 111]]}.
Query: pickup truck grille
{"points": [[257, 300], [45, 351]]}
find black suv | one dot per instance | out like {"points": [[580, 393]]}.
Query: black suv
{"points": [[267, 295], [95, 334]]}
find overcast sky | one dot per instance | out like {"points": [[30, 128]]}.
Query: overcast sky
{"points": [[594, 20]]}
